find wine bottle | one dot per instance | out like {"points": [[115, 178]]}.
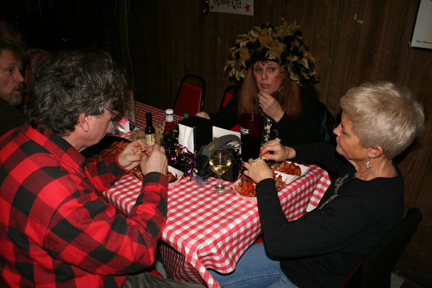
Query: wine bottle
{"points": [[169, 124], [150, 132]]}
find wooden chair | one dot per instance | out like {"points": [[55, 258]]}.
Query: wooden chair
{"points": [[190, 96], [376, 268]]}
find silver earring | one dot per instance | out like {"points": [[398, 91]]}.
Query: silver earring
{"points": [[368, 165]]}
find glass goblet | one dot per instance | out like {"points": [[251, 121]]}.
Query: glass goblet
{"points": [[220, 163]]}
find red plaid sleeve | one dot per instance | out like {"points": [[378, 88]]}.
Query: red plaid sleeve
{"points": [[56, 229]]}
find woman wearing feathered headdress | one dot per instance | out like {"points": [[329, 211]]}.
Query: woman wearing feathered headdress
{"points": [[275, 74]]}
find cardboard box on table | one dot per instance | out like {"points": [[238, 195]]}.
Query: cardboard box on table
{"points": [[194, 132]]}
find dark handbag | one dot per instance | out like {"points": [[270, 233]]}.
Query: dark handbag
{"points": [[203, 156]]}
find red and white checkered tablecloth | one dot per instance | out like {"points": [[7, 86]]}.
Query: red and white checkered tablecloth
{"points": [[207, 230]]}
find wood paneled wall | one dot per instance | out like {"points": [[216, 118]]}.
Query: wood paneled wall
{"points": [[352, 41]]}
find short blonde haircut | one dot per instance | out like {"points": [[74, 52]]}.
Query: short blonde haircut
{"points": [[383, 114]]}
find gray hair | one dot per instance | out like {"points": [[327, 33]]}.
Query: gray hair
{"points": [[383, 114], [69, 83]]}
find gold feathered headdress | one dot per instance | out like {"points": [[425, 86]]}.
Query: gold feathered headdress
{"points": [[283, 45]]}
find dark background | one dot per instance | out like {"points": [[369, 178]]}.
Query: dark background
{"points": [[65, 24]]}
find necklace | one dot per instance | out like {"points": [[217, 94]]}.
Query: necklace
{"points": [[339, 183], [374, 172]]}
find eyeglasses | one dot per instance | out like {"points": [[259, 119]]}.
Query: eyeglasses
{"points": [[115, 115]]}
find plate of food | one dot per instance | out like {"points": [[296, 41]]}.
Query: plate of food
{"points": [[174, 176], [245, 186], [114, 145], [107, 145], [284, 173], [292, 170]]}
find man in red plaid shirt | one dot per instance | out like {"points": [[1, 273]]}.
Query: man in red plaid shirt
{"points": [[56, 228]]}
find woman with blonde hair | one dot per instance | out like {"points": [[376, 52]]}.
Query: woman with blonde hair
{"points": [[275, 73], [322, 248]]}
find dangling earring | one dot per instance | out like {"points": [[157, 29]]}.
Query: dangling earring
{"points": [[368, 164]]}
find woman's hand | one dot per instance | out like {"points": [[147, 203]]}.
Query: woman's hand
{"points": [[257, 170], [279, 152], [156, 162], [203, 114], [270, 106], [130, 157]]}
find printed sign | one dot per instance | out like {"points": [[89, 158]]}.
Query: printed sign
{"points": [[422, 34], [244, 7]]}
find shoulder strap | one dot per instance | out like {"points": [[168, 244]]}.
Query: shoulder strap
{"points": [[219, 143]]}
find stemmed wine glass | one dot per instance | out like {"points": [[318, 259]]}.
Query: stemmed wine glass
{"points": [[220, 163]]}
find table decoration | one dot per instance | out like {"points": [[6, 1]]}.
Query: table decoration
{"points": [[178, 156]]}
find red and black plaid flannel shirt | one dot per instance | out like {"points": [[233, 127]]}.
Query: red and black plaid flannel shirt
{"points": [[56, 229]]}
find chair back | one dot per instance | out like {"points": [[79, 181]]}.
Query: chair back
{"points": [[190, 96], [228, 93], [328, 124], [377, 266]]}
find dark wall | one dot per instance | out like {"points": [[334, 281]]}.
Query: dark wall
{"points": [[55, 25]]}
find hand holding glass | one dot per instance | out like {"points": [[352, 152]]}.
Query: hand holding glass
{"points": [[220, 163]]}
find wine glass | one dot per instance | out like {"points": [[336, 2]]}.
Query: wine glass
{"points": [[220, 162]]}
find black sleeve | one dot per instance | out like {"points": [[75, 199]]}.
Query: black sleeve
{"points": [[320, 231], [324, 155]]}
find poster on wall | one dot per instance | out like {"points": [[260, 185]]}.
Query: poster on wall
{"points": [[422, 33], [244, 7]]}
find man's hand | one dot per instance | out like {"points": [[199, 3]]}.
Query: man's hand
{"points": [[156, 162], [279, 152], [130, 157], [258, 170]]}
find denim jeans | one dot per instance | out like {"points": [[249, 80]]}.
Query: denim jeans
{"points": [[255, 269]]}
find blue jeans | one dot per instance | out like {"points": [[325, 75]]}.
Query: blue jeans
{"points": [[255, 269]]}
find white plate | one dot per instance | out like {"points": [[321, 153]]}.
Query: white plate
{"points": [[177, 173]]}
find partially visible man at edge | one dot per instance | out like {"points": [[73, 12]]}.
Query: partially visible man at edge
{"points": [[12, 57], [56, 228]]}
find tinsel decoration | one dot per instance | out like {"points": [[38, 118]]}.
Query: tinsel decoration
{"points": [[178, 156]]}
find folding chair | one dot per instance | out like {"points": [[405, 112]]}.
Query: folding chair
{"points": [[228, 93], [190, 96], [376, 268]]}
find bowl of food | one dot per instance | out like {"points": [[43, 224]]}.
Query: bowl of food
{"points": [[292, 170], [245, 186], [174, 176]]}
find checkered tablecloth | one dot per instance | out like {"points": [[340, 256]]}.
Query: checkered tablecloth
{"points": [[207, 230]]}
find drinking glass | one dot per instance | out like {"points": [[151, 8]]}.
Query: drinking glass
{"points": [[220, 163], [251, 127]]}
